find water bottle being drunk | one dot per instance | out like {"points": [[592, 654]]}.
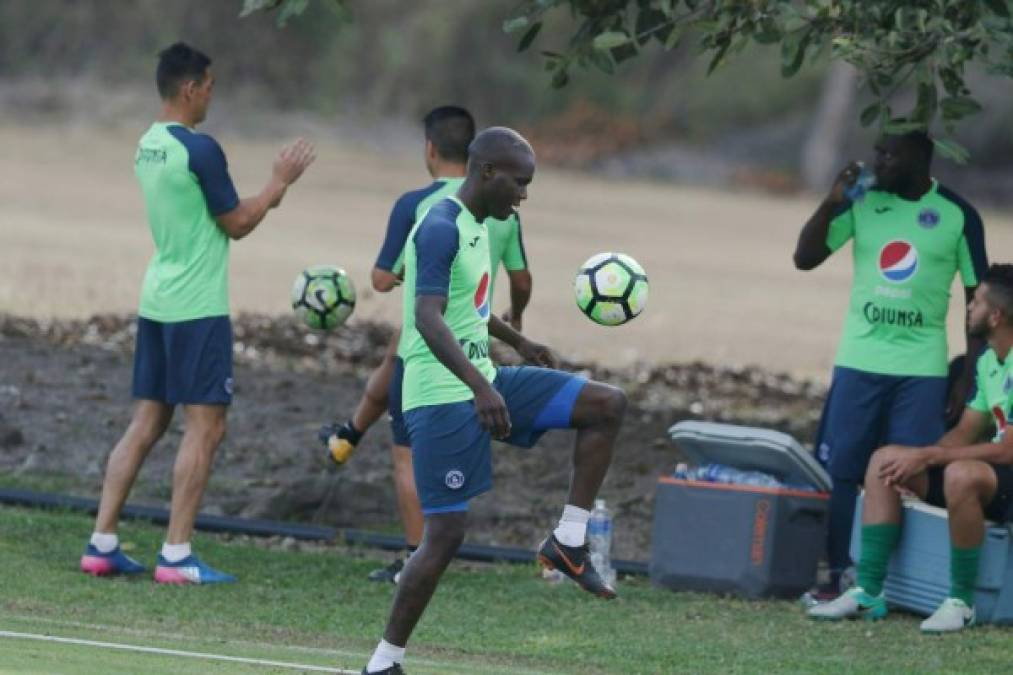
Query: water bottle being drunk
{"points": [[864, 181], [599, 539]]}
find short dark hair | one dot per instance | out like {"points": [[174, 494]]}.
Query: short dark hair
{"points": [[450, 129], [178, 63], [999, 278]]}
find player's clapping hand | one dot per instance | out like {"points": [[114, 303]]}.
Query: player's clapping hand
{"points": [[899, 469], [492, 412], [537, 354], [293, 159]]}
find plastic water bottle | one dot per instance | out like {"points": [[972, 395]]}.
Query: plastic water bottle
{"points": [[599, 539], [719, 473], [864, 181]]}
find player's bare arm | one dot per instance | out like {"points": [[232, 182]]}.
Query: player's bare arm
{"points": [[812, 248], [532, 352], [291, 162], [489, 405]]}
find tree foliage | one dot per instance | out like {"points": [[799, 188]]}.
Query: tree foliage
{"points": [[898, 46]]}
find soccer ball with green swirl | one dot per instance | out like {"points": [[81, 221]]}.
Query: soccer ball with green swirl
{"points": [[323, 296], [611, 288]]}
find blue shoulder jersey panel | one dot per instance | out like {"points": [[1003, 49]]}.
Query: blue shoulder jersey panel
{"points": [[207, 162], [520, 240], [436, 244], [974, 231], [400, 224]]}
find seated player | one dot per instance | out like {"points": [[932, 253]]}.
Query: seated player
{"points": [[973, 480]]}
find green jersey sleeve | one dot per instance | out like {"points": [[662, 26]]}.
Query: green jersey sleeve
{"points": [[842, 228], [979, 399], [514, 257]]}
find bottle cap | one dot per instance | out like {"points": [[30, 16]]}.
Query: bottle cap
{"points": [[599, 503]]}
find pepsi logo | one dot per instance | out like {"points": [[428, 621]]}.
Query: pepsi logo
{"points": [[482, 296], [898, 261]]}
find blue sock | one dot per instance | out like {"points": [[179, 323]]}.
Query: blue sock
{"points": [[842, 515]]}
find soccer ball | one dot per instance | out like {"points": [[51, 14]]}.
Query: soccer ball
{"points": [[611, 288], [323, 296]]}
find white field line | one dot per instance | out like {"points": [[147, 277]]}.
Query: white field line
{"points": [[173, 652], [420, 661]]}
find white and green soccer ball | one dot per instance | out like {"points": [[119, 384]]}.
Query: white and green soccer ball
{"points": [[611, 288], [323, 296]]}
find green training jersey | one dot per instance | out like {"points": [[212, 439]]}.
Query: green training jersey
{"points": [[994, 383], [905, 255], [186, 183], [447, 254], [506, 244]]}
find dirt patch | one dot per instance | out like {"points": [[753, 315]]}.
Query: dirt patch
{"points": [[64, 401]]}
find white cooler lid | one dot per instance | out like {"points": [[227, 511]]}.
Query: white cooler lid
{"points": [[750, 449]]}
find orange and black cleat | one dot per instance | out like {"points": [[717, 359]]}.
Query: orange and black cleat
{"points": [[574, 562]]}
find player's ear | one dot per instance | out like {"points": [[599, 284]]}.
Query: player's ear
{"points": [[487, 171]]}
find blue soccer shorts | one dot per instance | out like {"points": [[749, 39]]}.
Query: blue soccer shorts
{"points": [[451, 451], [184, 362]]}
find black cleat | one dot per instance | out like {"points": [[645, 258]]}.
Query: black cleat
{"points": [[390, 573], [574, 562], [396, 669], [340, 441]]}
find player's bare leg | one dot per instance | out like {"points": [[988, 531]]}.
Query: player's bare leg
{"points": [[597, 416], [341, 438]]}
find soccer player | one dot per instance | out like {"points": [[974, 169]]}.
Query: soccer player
{"points": [[971, 478], [911, 236], [183, 353], [455, 399], [448, 132]]}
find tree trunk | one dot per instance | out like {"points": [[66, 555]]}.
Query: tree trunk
{"points": [[820, 159]]}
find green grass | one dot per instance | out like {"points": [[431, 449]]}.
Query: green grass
{"points": [[315, 608]]}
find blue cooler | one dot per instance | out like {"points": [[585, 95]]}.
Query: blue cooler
{"points": [[740, 539], [918, 578]]}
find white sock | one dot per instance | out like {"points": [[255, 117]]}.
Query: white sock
{"points": [[385, 656], [105, 542], [175, 552], [572, 528]]}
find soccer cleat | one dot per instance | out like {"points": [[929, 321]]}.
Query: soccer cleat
{"points": [[189, 570], [391, 573], [852, 604], [99, 564], [952, 615], [338, 439], [396, 669], [574, 562]]}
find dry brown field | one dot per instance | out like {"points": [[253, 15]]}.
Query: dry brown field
{"points": [[74, 242]]}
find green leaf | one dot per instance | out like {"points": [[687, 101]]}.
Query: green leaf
{"points": [[719, 57], [515, 24], [560, 78], [901, 126], [291, 8], [603, 61], [610, 40], [952, 150], [529, 37], [956, 107], [251, 6], [869, 115], [673, 38], [999, 7], [793, 54]]}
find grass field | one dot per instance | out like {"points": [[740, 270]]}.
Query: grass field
{"points": [[314, 609]]}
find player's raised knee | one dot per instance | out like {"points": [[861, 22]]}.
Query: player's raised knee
{"points": [[964, 477]]}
